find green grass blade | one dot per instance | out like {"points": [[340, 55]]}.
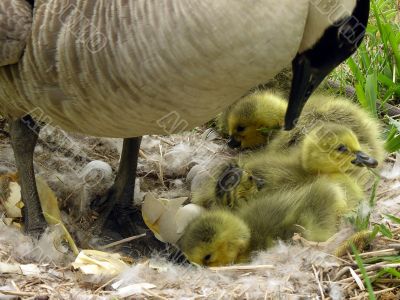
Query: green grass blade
{"points": [[393, 218], [371, 93], [385, 231], [392, 143], [393, 272], [356, 70], [394, 40], [365, 276]]}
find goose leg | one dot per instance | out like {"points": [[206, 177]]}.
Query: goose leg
{"points": [[118, 212], [24, 134]]}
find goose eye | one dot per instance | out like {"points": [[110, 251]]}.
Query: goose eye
{"points": [[240, 128], [342, 148]]}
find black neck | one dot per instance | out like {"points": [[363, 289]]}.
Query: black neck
{"points": [[361, 11]]}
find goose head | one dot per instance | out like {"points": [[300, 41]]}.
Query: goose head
{"points": [[334, 30]]}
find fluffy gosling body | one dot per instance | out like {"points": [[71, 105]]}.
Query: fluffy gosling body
{"points": [[221, 237], [227, 186], [253, 120], [322, 109], [328, 151]]}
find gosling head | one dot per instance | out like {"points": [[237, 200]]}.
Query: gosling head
{"points": [[333, 148], [252, 120], [216, 238]]}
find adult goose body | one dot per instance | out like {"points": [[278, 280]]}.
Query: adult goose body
{"points": [[120, 68]]}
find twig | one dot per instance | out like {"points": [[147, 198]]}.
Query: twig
{"points": [[319, 283], [362, 296], [395, 246], [373, 267], [390, 240], [15, 285], [351, 279], [384, 252], [387, 280], [129, 239], [243, 292], [16, 293], [104, 285], [341, 273], [241, 268], [151, 293], [143, 155], [165, 141], [379, 266], [160, 166]]}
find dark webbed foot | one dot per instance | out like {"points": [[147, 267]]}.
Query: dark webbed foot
{"points": [[125, 222], [116, 212], [116, 209], [24, 134]]}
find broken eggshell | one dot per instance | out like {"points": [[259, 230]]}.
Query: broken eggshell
{"points": [[167, 219], [10, 196]]}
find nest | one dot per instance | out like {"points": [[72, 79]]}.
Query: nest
{"points": [[291, 270]]}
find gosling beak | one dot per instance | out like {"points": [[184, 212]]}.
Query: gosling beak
{"points": [[364, 160], [306, 79], [233, 143]]}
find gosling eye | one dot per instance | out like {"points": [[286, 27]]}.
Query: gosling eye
{"points": [[342, 148], [207, 258], [251, 178], [240, 128]]}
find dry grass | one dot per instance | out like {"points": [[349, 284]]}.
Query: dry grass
{"points": [[292, 267]]}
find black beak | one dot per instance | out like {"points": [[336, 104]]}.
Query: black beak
{"points": [[364, 160], [305, 80], [232, 143]]}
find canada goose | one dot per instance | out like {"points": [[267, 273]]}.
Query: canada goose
{"points": [[129, 68], [220, 237]]}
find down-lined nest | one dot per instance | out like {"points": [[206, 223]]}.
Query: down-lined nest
{"points": [[294, 270]]}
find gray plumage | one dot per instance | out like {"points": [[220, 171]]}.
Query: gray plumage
{"points": [[15, 27], [126, 68]]}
